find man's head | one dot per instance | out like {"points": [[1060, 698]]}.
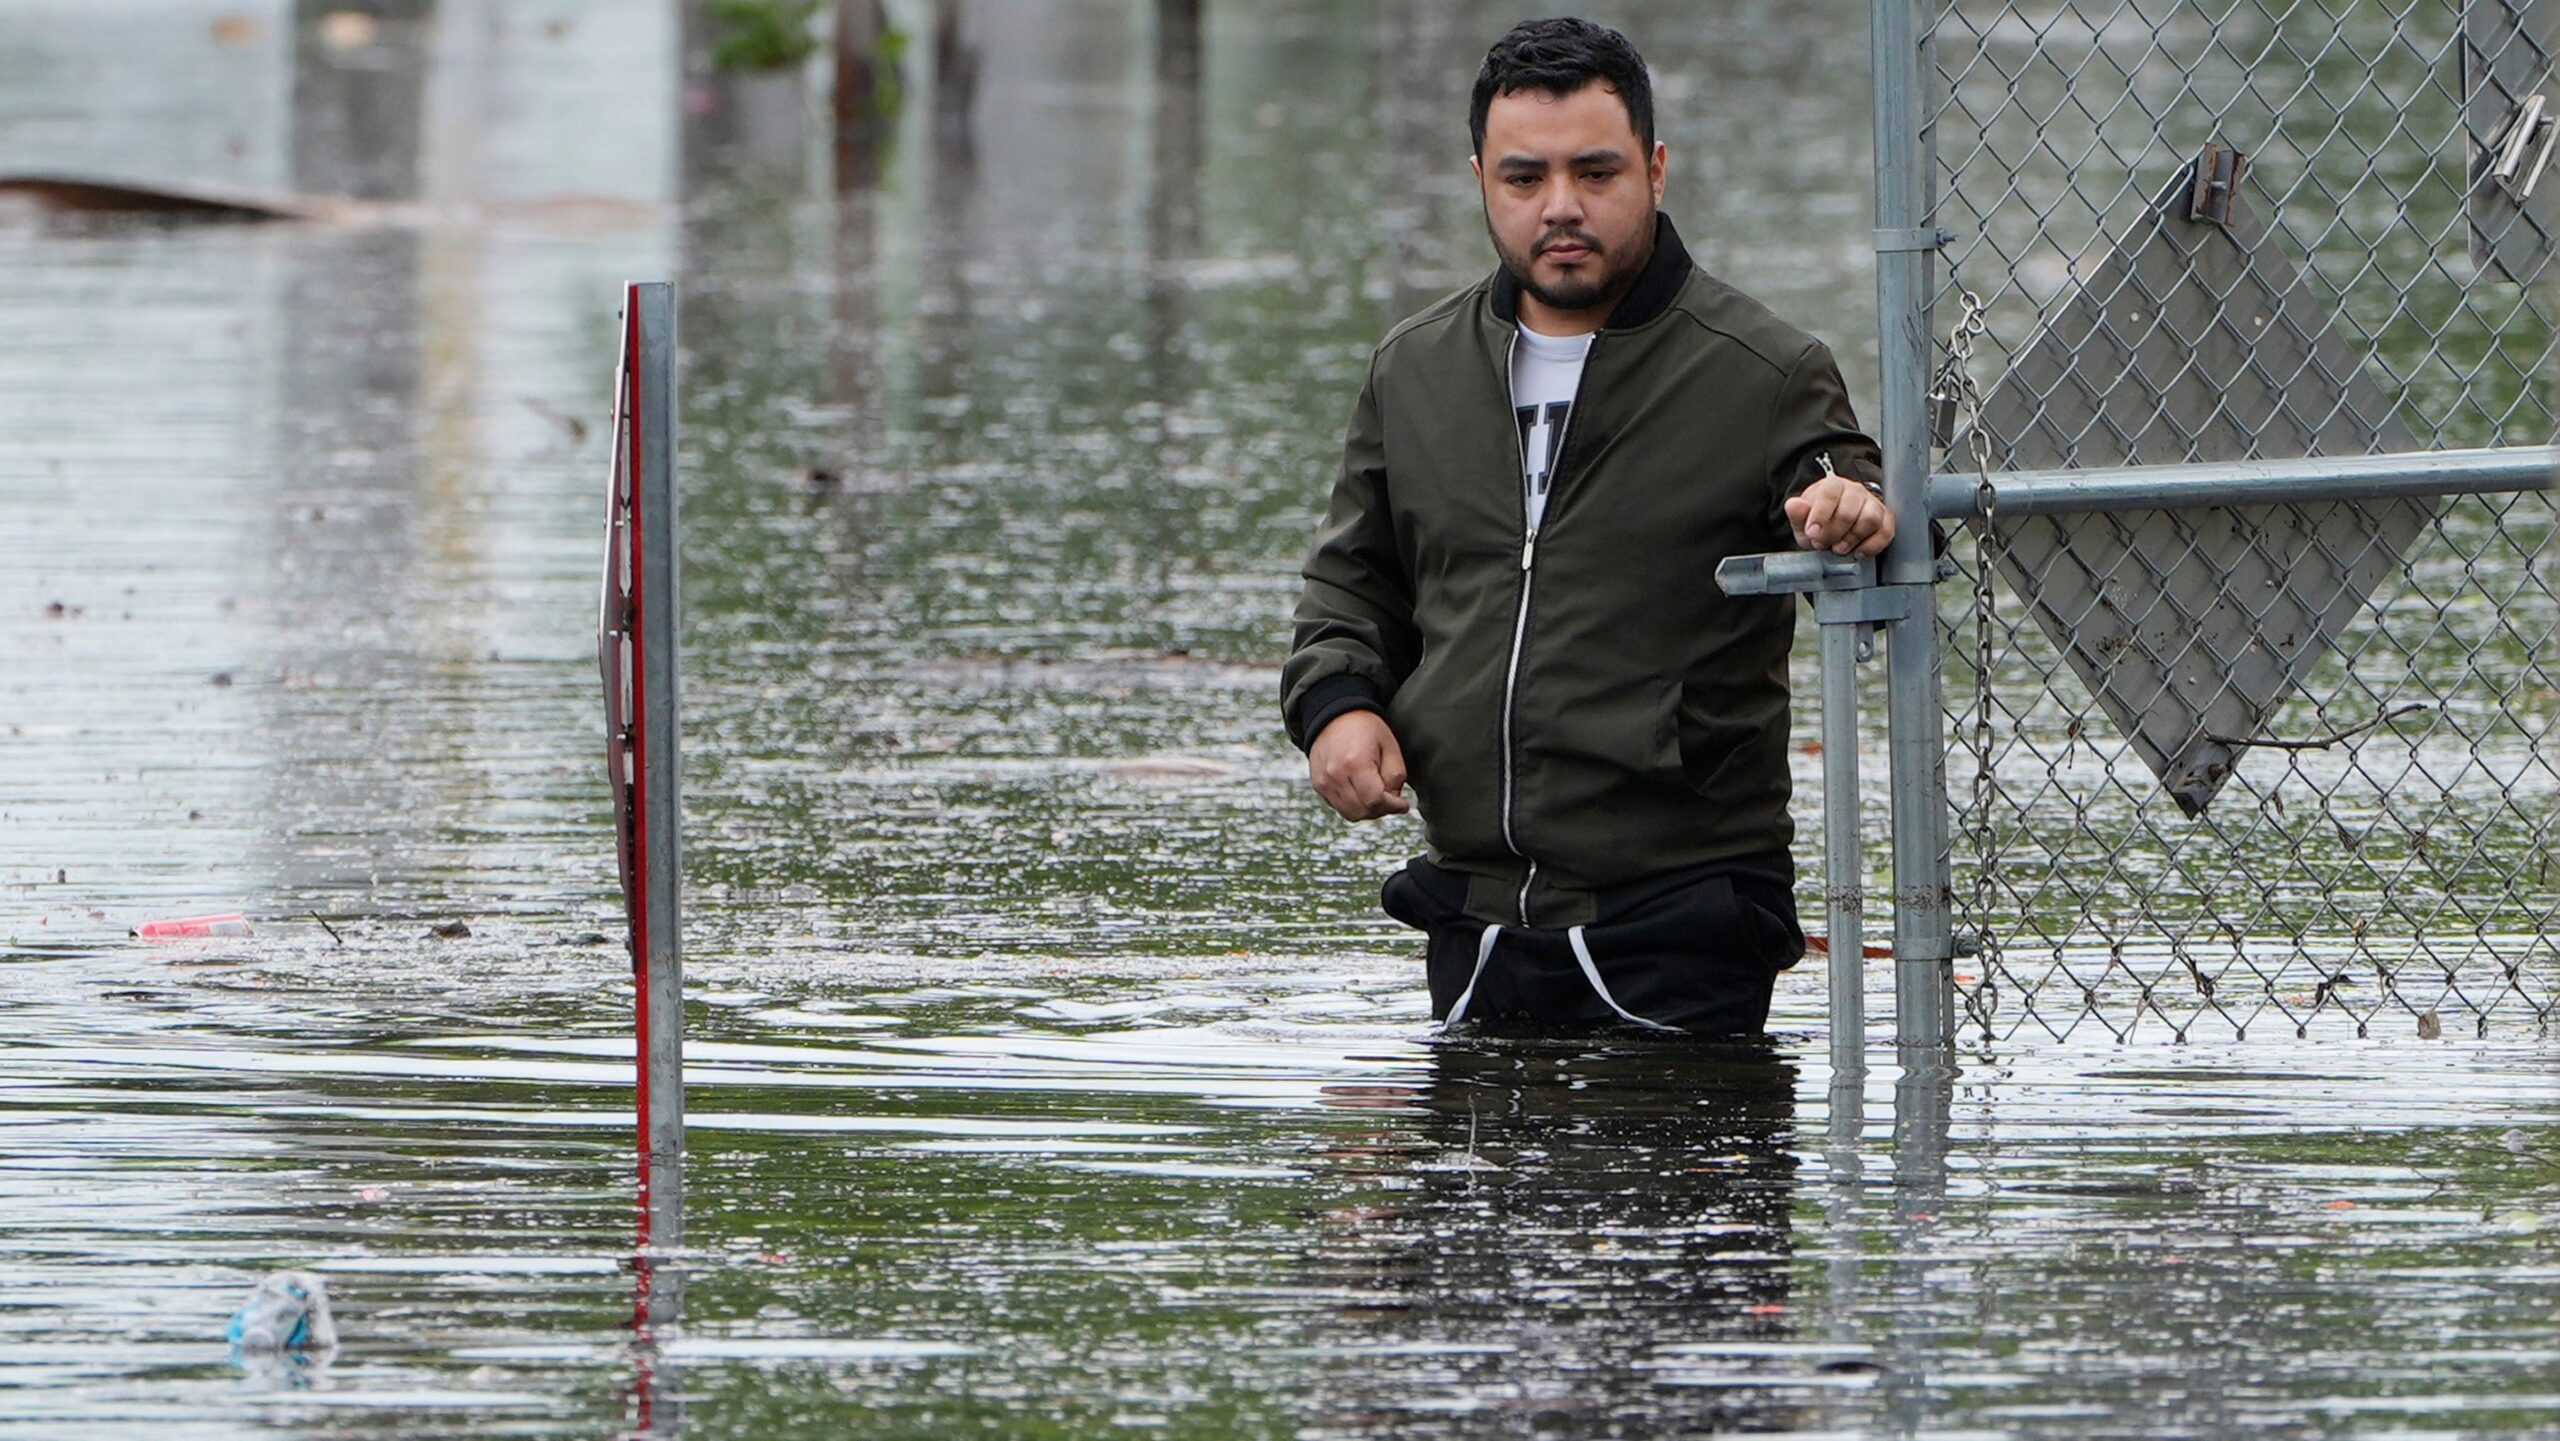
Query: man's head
{"points": [[1563, 126]]}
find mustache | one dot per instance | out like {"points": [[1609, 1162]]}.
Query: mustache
{"points": [[1563, 235]]}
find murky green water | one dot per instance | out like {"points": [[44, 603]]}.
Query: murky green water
{"points": [[1053, 1073]]}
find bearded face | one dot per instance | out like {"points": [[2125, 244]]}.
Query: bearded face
{"points": [[1570, 194]]}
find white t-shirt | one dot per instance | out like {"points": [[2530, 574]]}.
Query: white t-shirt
{"points": [[1545, 372]]}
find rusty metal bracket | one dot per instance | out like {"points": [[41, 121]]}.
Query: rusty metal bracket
{"points": [[2530, 131], [2217, 179]]}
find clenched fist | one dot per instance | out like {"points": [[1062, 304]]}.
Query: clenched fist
{"points": [[1358, 768], [1838, 514]]}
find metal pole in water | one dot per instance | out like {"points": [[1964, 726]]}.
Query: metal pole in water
{"points": [[1846, 601], [1843, 861], [657, 953], [1924, 969], [1921, 1289]]}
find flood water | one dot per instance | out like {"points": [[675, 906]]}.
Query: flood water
{"points": [[1052, 1072]]}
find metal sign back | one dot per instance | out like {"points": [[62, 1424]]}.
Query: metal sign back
{"points": [[2195, 341]]}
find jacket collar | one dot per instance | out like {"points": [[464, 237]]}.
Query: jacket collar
{"points": [[1655, 288]]}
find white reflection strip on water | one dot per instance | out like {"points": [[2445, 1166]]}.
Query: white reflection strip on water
{"points": [[1184, 1170], [756, 1121], [1183, 1048], [473, 1265], [1139, 1050], [555, 1351], [803, 1348], [840, 1020], [1405, 1348], [1048, 1147], [1763, 1381], [1764, 1348], [722, 1348], [2418, 1405], [397, 1400], [1232, 1090]]}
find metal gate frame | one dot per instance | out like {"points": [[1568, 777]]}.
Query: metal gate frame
{"points": [[1897, 592]]}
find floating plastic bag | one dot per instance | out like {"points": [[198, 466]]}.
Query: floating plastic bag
{"points": [[288, 1312]]}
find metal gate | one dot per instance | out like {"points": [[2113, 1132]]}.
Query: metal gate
{"points": [[2217, 335]]}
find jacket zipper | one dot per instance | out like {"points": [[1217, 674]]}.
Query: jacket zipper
{"points": [[1528, 581]]}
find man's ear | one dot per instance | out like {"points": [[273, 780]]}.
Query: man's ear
{"points": [[1656, 167], [1475, 166]]}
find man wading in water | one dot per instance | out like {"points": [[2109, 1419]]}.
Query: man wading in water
{"points": [[1511, 602]]}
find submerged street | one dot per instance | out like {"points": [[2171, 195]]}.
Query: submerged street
{"points": [[1051, 1070]]}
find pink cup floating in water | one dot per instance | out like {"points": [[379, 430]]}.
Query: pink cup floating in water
{"points": [[230, 923]]}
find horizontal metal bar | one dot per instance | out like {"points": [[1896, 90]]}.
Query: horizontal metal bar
{"points": [[1781, 572], [2249, 482]]}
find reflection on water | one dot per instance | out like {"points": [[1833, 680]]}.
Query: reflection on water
{"points": [[1566, 1222], [1054, 1069]]}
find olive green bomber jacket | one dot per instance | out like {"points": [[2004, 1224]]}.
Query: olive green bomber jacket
{"points": [[1579, 708]]}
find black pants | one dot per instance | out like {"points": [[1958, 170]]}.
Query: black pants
{"points": [[1698, 951]]}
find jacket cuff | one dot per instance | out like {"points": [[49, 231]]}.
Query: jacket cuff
{"points": [[1329, 698]]}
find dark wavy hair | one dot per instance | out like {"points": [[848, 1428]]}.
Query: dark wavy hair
{"points": [[1559, 57]]}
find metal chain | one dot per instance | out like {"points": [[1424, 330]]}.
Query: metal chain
{"points": [[1957, 387]]}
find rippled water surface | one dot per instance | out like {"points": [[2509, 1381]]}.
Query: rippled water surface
{"points": [[1052, 1073]]}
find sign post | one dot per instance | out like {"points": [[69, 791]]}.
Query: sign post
{"points": [[636, 645]]}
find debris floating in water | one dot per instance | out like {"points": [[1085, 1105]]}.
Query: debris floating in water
{"points": [[190, 928], [288, 1312], [60, 194]]}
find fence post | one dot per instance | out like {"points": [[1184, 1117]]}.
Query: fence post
{"points": [[1906, 234], [1843, 856]]}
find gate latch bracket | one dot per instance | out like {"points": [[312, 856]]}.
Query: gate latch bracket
{"points": [[1843, 588], [2218, 172]]}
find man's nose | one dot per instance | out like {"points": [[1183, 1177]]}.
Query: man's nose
{"points": [[1560, 203]]}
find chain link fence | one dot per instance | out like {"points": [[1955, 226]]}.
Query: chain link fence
{"points": [[2242, 768]]}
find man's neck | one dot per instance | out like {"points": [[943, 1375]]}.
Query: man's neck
{"points": [[1543, 319]]}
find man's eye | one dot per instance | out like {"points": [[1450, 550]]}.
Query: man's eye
{"points": [[1599, 177], [1523, 182]]}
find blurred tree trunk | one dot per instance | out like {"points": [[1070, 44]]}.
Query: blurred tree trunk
{"points": [[955, 85], [1428, 52], [1174, 220], [753, 118], [865, 87], [359, 96]]}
